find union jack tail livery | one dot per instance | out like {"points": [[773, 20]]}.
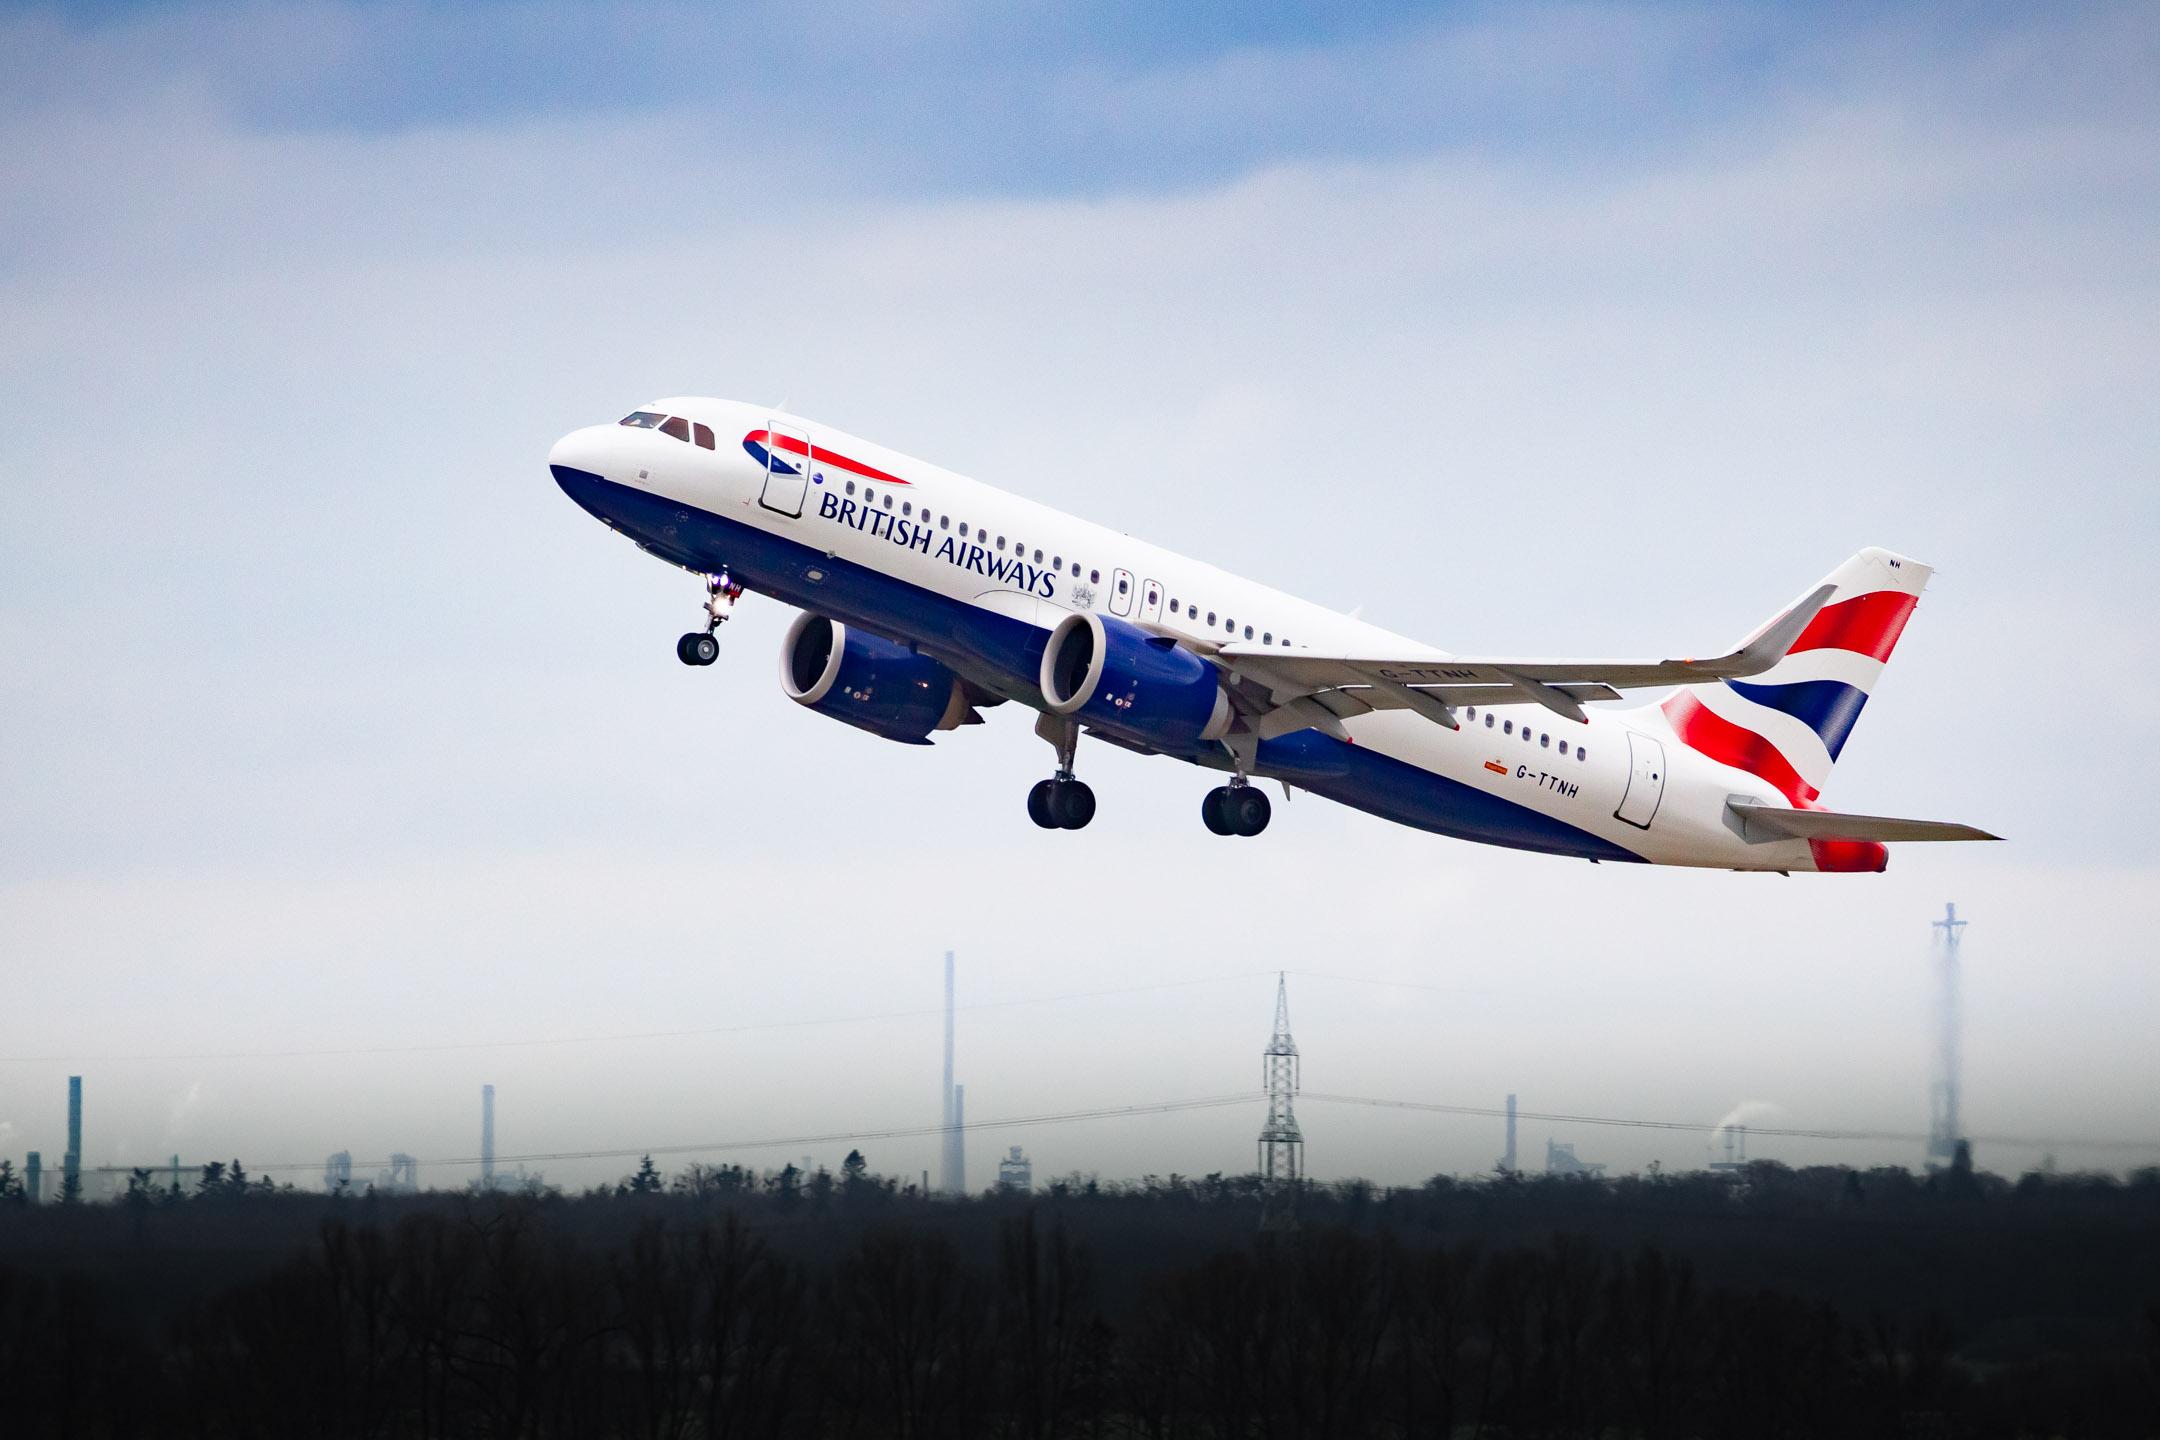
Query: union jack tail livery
{"points": [[1789, 724]]}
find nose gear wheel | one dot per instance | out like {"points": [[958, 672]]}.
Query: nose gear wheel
{"points": [[697, 648]]}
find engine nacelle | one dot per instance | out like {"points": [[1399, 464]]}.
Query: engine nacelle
{"points": [[1141, 687], [870, 683]]}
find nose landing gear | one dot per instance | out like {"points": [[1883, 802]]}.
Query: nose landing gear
{"points": [[702, 647], [1062, 802], [1235, 809]]}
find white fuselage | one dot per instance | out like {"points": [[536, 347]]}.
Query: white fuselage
{"points": [[912, 532]]}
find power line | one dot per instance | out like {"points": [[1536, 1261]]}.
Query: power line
{"points": [[1697, 1126], [1215, 1102], [834, 1137]]}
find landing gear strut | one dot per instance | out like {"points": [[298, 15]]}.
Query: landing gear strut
{"points": [[703, 647], [1235, 809], [1062, 802]]}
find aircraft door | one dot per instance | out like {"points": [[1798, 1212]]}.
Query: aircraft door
{"points": [[787, 469], [1121, 592], [1646, 781], [1150, 602]]}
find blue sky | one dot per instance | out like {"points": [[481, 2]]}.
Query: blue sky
{"points": [[1040, 99], [1528, 329]]}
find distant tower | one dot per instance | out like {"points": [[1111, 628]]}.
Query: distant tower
{"points": [[1732, 1162], [337, 1173], [71, 1163], [1016, 1172], [1945, 1129], [952, 1169], [487, 1137], [957, 1182], [1282, 1144], [1560, 1160], [34, 1178], [1507, 1161]]}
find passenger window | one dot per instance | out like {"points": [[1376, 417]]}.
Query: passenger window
{"points": [[1094, 577], [1267, 639], [1488, 719], [963, 530], [1470, 712], [1121, 586], [869, 496], [1563, 747], [888, 501], [704, 435], [1001, 542], [1507, 727], [906, 508], [1173, 607], [643, 420], [1248, 632], [944, 522], [1544, 741], [1057, 562], [1211, 617], [1581, 754], [677, 427], [1038, 557], [1076, 569]]}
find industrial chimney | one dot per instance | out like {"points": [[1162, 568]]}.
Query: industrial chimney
{"points": [[487, 1137]]}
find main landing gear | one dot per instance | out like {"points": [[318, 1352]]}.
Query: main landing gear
{"points": [[1062, 802], [1235, 809], [703, 647]]}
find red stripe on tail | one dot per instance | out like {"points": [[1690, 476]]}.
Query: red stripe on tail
{"points": [[1867, 624], [1849, 857], [1703, 729]]}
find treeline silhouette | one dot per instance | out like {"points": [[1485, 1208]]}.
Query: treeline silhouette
{"points": [[725, 1303]]}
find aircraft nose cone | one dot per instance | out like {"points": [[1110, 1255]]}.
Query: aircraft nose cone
{"points": [[580, 450]]}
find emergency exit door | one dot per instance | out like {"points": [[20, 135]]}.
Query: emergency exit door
{"points": [[787, 469], [1646, 781], [1121, 592]]}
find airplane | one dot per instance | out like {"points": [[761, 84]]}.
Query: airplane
{"points": [[927, 597]]}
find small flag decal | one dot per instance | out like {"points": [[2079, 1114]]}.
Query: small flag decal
{"points": [[1496, 767]]}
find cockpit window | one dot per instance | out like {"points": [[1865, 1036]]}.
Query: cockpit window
{"points": [[643, 419], [677, 427], [704, 435]]}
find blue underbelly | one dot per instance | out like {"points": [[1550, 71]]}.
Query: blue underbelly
{"points": [[1004, 655]]}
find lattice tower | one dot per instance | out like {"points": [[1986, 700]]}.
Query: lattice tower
{"points": [[1282, 1144]]}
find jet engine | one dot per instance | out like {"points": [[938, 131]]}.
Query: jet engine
{"points": [[869, 682], [1140, 687]]}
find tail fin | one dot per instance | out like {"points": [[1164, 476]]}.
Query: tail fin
{"points": [[1789, 723]]}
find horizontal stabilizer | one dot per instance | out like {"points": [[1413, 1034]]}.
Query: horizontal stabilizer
{"points": [[1761, 824]]}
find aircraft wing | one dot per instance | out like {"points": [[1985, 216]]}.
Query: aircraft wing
{"points": [[1760, 824], [1432, 682]]}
